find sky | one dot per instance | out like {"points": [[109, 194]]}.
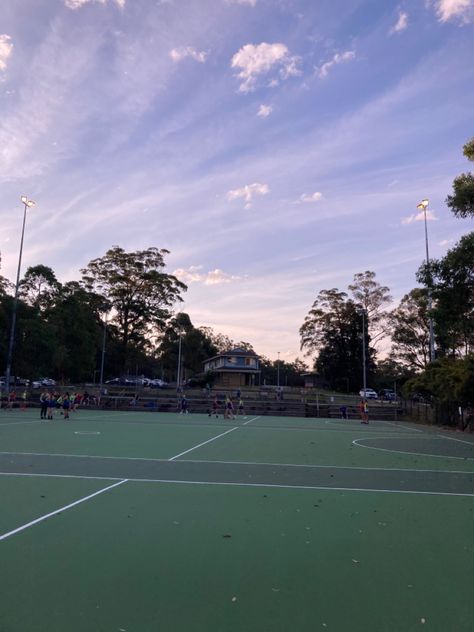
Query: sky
{"points": [[274, 147]]}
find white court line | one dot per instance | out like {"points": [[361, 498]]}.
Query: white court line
{"points": [[230, 484], [253, 419], [88, 478], [436, 456], [308, 465], [19, 423], [53, 513], [203, 443], [471, 443], [397, 425]]}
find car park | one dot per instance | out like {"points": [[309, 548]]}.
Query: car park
{"points": [[368, 393]]}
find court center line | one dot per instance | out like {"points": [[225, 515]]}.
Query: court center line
{"points": [[53, 513], [231, 484], [203, 443]]}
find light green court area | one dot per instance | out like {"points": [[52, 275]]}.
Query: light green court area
{"points": [[231, 555]]}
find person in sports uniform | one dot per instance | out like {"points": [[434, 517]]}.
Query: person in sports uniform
{"points": [[44, 399], [66, 403]]}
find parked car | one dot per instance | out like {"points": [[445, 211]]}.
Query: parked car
{"points": [[120, 381], [43, 381], [388, 394], [157, 383], [15, 381], [369, 393]]}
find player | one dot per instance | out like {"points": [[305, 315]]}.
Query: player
{"points": [[364, 411], [44, 399], [215, 408], [240, 409]]}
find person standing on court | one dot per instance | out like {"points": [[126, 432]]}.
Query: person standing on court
{"points": [[66, 406], [44, 401]]}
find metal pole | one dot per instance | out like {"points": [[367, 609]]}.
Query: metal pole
{"points": [[430, 302], [178, 380], [15, 304], [103, 358], [364, 370], [278, 371]]}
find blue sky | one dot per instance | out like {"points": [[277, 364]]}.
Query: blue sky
{"points": [[275, 147]]}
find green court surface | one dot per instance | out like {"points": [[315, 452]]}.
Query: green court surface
{"points": [[140, 522]]}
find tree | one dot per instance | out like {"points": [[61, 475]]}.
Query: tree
{"points": [[140, 292], [449, 384], [332, 329], [196, 347], [410, 330], [373, 297], [461, 202], [221, 342], [39, 287], [452, 282]]}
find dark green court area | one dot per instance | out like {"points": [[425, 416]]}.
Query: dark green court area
{"points": [[146, 521]]}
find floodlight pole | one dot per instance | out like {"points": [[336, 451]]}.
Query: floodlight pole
{"points": [[101, 379], [27, 204], [364, 360], [178, 379], [278, 370], [424, 205]]}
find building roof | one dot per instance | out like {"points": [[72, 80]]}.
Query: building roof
{"points": [[237, 352]]}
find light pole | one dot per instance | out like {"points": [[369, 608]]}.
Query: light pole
{"points": [[278, 370], [178, 379], [101, 379], [364, 361], [423, 205], [27, 204]]}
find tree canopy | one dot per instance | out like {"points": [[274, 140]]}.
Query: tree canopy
{"points": [[461, 202], [140, 292]]}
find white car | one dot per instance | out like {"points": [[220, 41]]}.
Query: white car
{"points": [[369, 393]]}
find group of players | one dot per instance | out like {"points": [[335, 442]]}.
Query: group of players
{"points": [[229, 411], [51, 402]]}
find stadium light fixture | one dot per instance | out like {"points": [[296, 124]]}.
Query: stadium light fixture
{"points": [[423, 205], [27, 204]]}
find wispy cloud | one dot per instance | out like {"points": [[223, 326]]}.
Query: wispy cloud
{"points": [[248, 192], [446, 242], [194, 274], [264, 111], [6, 48], [250, 3], [338, 58], [311, 197], [77, 4], [401, 24], [454, 10], [419, 217], [254, 61], [177, 54]]}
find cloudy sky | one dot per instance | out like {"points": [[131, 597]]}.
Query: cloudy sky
{"points": [[275, 147]]}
